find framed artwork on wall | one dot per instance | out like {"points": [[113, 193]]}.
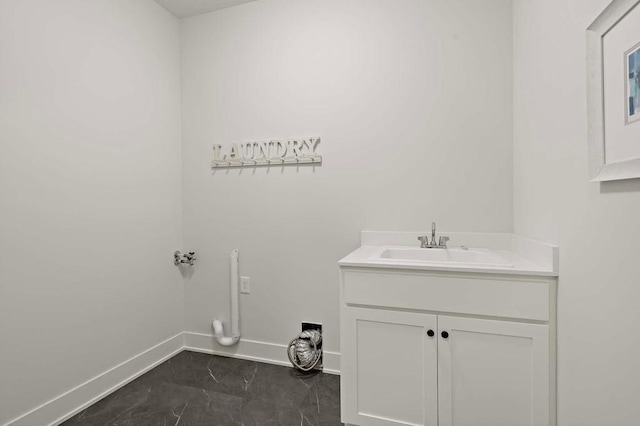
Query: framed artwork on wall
{"points": [[613, 53], [632, 70]]}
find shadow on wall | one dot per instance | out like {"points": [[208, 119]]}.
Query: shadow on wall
{"points": [[620, 186]]}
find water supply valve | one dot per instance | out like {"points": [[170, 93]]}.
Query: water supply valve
{"points": [[186, 259]]}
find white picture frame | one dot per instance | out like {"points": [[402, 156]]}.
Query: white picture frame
{"points": [[599, 94]]}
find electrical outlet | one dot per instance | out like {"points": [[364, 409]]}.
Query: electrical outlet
{"points": [[245, 287]]}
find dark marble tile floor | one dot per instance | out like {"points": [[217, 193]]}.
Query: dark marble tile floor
{"points": [[194, 389]]}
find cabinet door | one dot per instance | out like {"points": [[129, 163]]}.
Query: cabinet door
{"points": [[388, 368], [492, 373]]}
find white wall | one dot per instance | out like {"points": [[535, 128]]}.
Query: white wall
{"points": [[413, 101], [595, 225], [90, 206]]}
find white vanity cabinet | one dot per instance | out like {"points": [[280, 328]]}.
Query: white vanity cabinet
{"points": [[433, 348]]}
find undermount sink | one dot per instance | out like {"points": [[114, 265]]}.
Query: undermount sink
{"points": [[450, 256]]}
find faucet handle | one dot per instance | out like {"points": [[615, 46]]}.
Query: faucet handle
{"points": [[443, 241], [424, 241]]}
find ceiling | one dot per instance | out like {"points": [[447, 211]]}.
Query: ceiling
{"points": [[186, 8]]}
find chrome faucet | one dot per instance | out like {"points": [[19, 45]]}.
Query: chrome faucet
{"points": [[442, 241], [433, 233]]}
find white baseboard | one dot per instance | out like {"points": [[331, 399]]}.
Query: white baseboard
{"points": [[252, 350], [77, 399]]}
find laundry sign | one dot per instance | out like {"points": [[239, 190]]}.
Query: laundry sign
{"points": [[268, 153]]}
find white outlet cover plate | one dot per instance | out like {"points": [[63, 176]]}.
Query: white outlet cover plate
{"points": [[244, 285]]}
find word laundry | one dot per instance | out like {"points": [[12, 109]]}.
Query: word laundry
{"points": [[274, 152]]}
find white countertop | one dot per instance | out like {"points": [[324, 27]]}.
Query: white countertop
{"points": [[526, 257]]}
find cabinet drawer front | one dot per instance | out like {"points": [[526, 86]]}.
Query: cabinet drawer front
{"points": [[450, 292]]}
